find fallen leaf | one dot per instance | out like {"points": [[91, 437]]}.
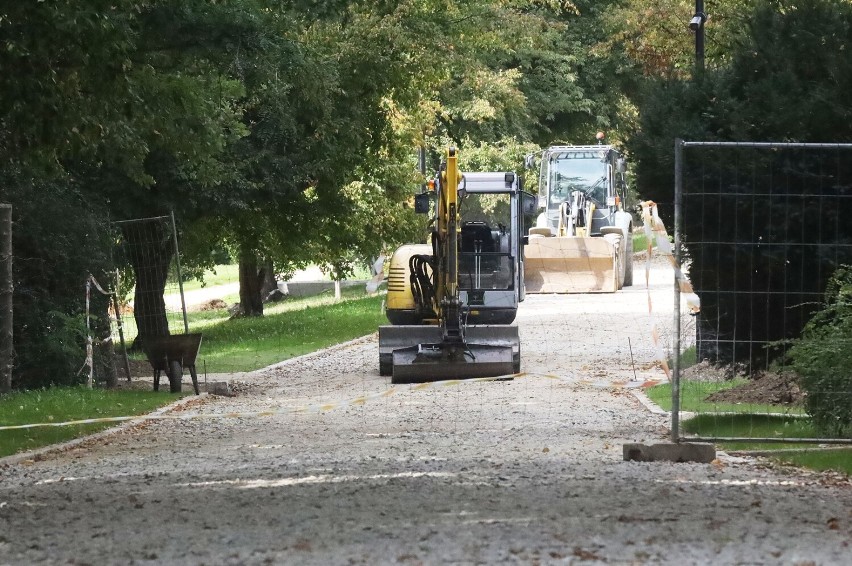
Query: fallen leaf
{"points": [[584, 554]]}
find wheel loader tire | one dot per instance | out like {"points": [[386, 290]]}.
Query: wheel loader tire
{"points": [[175, 376], [628, 265]]}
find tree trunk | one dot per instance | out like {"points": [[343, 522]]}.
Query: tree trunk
{"points": [[150, 250], [251, 283], [269, 283], [6, 290]]}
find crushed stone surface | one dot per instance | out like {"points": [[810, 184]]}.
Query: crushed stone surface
{"points": [[523, 471]]}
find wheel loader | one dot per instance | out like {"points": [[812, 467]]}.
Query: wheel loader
{"points": [[582, 239], [451, 302]]}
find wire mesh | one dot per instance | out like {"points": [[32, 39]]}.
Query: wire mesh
{"points": [[762, 231], [149, 286]]}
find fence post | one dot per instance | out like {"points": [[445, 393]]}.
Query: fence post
{"points": [[678, 191], [179, 275], [6, 288]]}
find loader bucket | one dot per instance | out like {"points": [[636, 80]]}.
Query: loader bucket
{"points": [[570, 265], [416, 353]]}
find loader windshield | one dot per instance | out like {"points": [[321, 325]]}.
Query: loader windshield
{"points": [[576, 171]]}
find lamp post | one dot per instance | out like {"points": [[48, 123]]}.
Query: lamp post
{"points": [[696, 24]]}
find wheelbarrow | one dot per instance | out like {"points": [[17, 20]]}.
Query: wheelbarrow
{"points": [[171, 354]]}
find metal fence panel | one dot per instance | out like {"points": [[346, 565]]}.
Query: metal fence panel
{"points": [[154, 305], [761, 229]]}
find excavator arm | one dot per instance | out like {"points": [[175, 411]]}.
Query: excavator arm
{"points": [[449, 309]]}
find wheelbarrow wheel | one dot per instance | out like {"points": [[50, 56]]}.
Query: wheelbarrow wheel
{"points": [[175, 376]]}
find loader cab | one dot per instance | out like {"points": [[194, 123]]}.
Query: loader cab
{"points": [[595, 173]]}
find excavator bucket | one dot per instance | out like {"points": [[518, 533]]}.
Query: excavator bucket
{"points": [[570, 265], [417, 354]]}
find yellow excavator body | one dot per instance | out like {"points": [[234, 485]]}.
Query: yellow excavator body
{"points": [[400, 305], [439, 293]]}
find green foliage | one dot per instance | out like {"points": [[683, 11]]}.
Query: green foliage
{"points": [[823, 358], [506, 154], [779, 73], [58, 239], [109, 111], [792, 56], [530, 71]]}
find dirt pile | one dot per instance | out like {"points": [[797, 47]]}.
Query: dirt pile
{"points": [[766, 388], [707, 372]]}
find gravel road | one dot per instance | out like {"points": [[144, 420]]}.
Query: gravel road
{"points": [[528, 471]]}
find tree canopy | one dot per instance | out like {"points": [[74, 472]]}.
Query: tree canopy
{"points": [[286, 131], [779, 73]]}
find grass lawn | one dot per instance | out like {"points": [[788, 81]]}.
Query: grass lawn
{"points": [[640, 242], [839, 460], [60, 404], [224, 274], [290, 328], [757, 426], [219, 275], [694, 393], [717, 420]]}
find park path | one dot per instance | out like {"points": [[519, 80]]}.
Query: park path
{"points": [[527, 471]]}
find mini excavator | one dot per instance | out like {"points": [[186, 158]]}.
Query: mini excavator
{"points": [[451, 302]]}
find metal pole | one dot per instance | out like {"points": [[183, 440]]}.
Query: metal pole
{"points": [[179, 276], [6, 292], [90, 358], [120, 323], [677, 228], [699, 37], [421, 162]]}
